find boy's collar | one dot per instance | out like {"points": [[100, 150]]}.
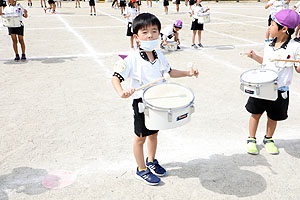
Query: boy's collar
{"points": [[284, 45], [145, 57]]}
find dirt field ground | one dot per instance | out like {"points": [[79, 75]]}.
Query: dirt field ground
{"points": [[58, 111]]}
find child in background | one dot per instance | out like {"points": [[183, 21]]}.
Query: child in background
{"points": [[122, 5], [14, 8], [281, 29], [77, 2], [92, 6], [197, 9], [130, 13], [143, 66], [2, 5], [169, 32], [166, 4]]}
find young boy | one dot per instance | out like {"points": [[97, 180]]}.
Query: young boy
{"points": [[144, 66], [273, 4], [14, 8], [92, 5], [166, 4], [52, 7], [169, 32], [283, 47], [196, 26]]}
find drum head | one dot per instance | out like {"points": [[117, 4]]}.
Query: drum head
{"points": [[259, 76], [168, 96]]}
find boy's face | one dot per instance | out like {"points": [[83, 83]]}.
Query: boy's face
{"points": [[150, 32], [177, 29], [12, 2], [274, 32]]}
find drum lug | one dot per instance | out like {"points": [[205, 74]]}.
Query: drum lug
{"points": [[275, 86], [170, 116], [192, 109], [146, 111], [242, 86], [257, 90]]}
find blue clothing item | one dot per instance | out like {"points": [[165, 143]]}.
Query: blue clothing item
{"points": [[284, 88]]}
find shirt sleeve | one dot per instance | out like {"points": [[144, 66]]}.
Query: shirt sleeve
{"points": [[122, 68], [165, 65]]}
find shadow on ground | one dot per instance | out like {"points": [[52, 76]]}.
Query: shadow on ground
{"points": [[292, 147], [22, 180], [42, 60], [223, 174]]}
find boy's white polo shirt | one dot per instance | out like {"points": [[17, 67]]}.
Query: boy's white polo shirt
{"points": [[197, 10], [132, 12], [14, 10], [167, 31], [288, 50], [273, 8], [141, 71]]}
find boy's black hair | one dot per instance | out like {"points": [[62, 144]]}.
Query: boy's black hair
{"points": [[290, 31], [144, 20]]}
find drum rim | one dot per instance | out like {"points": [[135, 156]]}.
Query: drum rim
{"points": [[147, 104], [261, 83]]}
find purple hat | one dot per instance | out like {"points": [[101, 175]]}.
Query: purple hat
{"points": [[178, 23], [287, 17]]}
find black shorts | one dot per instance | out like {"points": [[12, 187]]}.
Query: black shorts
{"points": [[139, 120], [51, 2], [166, 2], [92, 3], [269, 20], [196, 25], [276, 110], [177, 1], [2, 3], [191, 2], [129, 29], [139, 2], [122, 3], [16, 30]]}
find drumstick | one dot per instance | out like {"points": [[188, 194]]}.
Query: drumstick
{"points": [[272, 60], [243, 54], [166, 77]]}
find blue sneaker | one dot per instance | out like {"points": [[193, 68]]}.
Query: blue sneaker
{"points": [[156, 168], [147, 177]]}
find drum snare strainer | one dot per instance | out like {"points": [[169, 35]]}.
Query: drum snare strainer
{"points": [[167, 105], [260, 83]]}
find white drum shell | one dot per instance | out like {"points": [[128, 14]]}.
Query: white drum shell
{"points": [[171, 46], [204, 18], [266, 91], [11, 21], [164, 118]]}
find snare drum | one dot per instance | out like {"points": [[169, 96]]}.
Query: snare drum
{"points": [[11, 21], [203, 18], [171, 46], [167, 105], [260, 83]]}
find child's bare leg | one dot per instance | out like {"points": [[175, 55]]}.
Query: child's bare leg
{"points": [[94, 9], [177, 7], [193, 37], [199, 36], [91, 10], [15, 43], [271, 126], [22, 43], [138, 151], [253, 124], [152, 145]]}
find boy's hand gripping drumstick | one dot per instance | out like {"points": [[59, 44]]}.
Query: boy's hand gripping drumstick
{"points": [[190, 66], [166, 77]]}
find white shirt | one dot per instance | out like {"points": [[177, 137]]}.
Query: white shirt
{"points": [[14, 10], [132, 12], [276, 4], [197, 10], [141, 71], [167, 31], [284, 69]]}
